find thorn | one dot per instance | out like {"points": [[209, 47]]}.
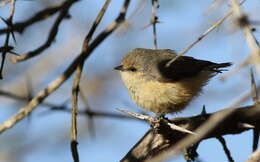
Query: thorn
{"points": [[135, 115], [5, 21], [14, 53], [152, 120], [245, 125], [180, 129], [13, 36], [203, 112], [9, 23], [148, 25]]}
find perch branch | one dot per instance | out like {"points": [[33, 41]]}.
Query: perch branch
{"points": [[169, 142]]}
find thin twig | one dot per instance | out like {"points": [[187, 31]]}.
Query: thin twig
{"points": [[214, 26], [9, 23], [256, 133], [225, 148], [154, 21], [154, 121], [51, 36], [74, 150], [63, 107], [24, 111], [76, 82], [244, 23], [37, 17]]}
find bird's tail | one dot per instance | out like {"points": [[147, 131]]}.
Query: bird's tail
{"points": [[218, 67]]}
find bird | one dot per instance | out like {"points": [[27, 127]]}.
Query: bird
{"points": [[162, 88]]}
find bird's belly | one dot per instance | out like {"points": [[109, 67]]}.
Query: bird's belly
{"points": [[160, 97]]}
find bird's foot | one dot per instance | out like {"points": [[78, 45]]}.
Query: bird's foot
{"points": [[161, 116], [159, 122]]}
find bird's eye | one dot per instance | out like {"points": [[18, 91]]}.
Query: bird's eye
{"points": [[132, 69]]}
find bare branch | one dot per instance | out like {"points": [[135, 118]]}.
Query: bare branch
{"points": [[76, 83], [243, 22], [51, 37], [154, 21], [155, 146], [214, 26], [41, 15], [225, 148], [54, 107], [24, 111], [9, 23], [156, 122]]}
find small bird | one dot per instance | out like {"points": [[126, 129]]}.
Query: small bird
{"points": [[165, 89]]}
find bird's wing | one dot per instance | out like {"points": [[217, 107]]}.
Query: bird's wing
{"points": [[186, 67]]}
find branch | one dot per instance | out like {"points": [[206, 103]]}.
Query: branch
{"points": [[51, 37], [157, 122], [154, 21], [214, 26], [9, 23], [76, 82], [24, 111], [169, 143], [225, 148], [244, 23], [41, 15], [63, 107]]}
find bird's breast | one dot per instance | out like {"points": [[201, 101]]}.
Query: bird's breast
{"points": [[156, 96]]}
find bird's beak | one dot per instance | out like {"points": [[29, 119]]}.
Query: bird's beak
{"points": [[120, 68]]}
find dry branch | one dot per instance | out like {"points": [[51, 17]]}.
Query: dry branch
{"points": [[225, 148], [76, 82], [244, 22], [62, 107], [203, 35], [153, 143], [9, 23], [37, 17], [154, 21], [24, 111], [64, 12]]}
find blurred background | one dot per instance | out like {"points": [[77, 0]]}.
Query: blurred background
{"points": [[45, 134]]}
